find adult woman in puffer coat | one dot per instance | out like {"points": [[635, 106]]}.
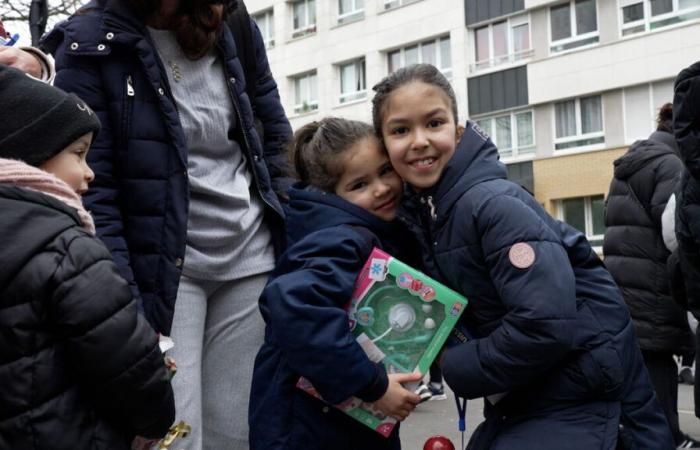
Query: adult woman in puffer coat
{"points": [[636, 255], [184, 191]]}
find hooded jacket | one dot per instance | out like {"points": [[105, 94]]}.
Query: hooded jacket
{"points": [[307, 331], [140, 196], [79, 367], [551, 330], [686, 124], [635, 253]]}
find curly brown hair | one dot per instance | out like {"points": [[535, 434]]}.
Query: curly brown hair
{"points": [[196, 24]]}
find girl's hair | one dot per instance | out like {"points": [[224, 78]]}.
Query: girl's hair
{"points": [[316, 148], [664, 121], [425, 73], [196, 24]]}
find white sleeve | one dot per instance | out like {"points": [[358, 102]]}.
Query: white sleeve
{"points": [[668, 224]]}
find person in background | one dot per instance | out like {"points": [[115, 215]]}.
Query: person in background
{"points": [[27, 59], [636, 256], [185, 188], [686, 127], [79, 367]]}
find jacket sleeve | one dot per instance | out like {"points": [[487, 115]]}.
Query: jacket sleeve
{"points": [[112, 348], [81, 75], [686, 117], [666, 177], [269, 110], [536, 331], [308, 320]]}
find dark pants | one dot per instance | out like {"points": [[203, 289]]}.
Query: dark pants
{"points": [[435, 373], [663, 372], [696, 388]]}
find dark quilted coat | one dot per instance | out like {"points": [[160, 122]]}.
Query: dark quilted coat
{"points": [[635, 253], [556, 336], [307, 330], [140, 195], [686, 109], [79, 367]]}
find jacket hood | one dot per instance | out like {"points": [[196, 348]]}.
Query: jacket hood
{"points": [[475, 160], [641, 153], [310, 210]]}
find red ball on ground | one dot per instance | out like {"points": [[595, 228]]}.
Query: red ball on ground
{"points": [[438, 443]]}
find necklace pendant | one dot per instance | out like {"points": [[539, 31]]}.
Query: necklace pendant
{"points": [[177, 75]]}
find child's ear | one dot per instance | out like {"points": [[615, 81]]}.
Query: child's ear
{"points": [[460, 132]]}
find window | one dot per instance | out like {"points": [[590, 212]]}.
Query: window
{"points": [[639, 16], [305, 92], [642, 104], [304, 17], [352, 81], [502, 42], [350, 10], [578, 122], [586, 214], [390, 4], [435, 51], [513, 133], [573, 24], [265, 22]]}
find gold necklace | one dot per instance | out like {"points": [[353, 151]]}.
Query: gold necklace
{"points": [[177, 75]]}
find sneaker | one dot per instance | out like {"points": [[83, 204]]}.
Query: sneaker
{"points": [[689, 442], [437, 391], [686, 376], [423, 392]]}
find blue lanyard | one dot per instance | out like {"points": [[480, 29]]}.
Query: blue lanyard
{"points": [[462, 412]]}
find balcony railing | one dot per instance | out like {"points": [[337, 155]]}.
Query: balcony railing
{"points": [[510, 58]]}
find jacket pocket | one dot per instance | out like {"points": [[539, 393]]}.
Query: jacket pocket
{"points": [[602, 369]]}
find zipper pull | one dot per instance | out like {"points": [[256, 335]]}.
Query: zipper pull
{"points": [[129, 87], [429, 202]]}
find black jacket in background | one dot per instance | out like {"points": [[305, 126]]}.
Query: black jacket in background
{"points": [[634, 249], [79, 368], [686, 124]]}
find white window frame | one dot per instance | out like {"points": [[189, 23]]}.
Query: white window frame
{"points": [[652, 109], [357, 13], [587, 217], [511, 57], [593, 36], [517, 152], [393, 4], [304, 106], [633, 28], [348, 97], [579, 136], [309, 28], [267, 16], [446, 71]]}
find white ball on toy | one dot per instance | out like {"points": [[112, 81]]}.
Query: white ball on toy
{"points": [[427, 309], [429, 324]]}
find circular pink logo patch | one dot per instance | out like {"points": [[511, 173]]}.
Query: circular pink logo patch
{"points": [[521, 255]]}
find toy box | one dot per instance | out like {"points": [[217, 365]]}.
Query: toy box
{"points": [[401, 318]]}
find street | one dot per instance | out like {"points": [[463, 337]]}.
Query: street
{"points": [[440, 417]]}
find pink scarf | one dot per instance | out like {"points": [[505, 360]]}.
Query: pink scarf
{"points": [[20, 174]]}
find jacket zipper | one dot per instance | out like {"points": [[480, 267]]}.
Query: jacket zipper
{"points": [[128, 102]]}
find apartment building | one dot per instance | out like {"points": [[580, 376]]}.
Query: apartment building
{"points": [[562, 87]]}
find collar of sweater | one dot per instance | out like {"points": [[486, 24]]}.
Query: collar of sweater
{"points": [[20, 174]]}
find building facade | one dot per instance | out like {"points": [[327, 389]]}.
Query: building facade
{"points": [[562, 87]]}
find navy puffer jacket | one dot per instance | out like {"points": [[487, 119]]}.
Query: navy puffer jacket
{"points": [[555, 335], [635, 253], [140, 195], [308, 334]]}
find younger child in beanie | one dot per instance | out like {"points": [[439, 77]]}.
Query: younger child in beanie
{"points": [[79, 368]]}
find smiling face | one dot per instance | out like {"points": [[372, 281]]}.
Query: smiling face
{"points": [[71, 166], [420, 132], [369, 181]]}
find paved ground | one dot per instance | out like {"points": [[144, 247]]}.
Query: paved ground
{"points": [[440, 417]]}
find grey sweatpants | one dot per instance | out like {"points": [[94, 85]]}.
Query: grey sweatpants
{"points": [[217, 330]]}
